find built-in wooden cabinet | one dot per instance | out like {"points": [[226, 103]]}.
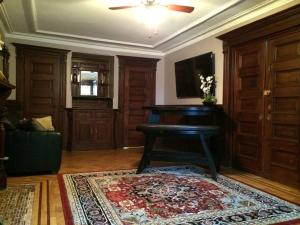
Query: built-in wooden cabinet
{"points": [[92, 129], [91, 118], [92, 75], [262, 96]]}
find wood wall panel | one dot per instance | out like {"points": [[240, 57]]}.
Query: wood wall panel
{"points": [[41, 83]]}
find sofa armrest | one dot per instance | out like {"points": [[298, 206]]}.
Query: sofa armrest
{"points": [[33, 151]]}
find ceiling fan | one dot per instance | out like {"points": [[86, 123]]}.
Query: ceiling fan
{"points": [[151, 3]]}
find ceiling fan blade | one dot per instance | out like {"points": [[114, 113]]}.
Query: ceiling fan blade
{"points": [[122, 7], [180, 8]]}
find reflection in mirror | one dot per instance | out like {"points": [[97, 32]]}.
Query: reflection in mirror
{"points": [[88, 83]]}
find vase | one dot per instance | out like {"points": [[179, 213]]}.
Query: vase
{"points": [[208, 103]]}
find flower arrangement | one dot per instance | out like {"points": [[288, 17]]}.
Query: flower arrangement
{"points": [[206, 85]]}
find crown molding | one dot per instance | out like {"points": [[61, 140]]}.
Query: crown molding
{"points": [[92, 39], [198, 21], [68, 44], [65, 40], [7, 27], [233, 22], [109, 41]]}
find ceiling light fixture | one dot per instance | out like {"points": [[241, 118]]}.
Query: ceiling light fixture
{"points": [[151, 12], [151, 17]]}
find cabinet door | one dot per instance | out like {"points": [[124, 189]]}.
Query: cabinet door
{"points": [[248, 106], [83, 132], [103, 127], [283, 109]]}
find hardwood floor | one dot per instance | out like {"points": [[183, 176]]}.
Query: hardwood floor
{"points": [[86, 161]]}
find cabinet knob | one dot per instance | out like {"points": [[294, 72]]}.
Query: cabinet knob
{"points": [[267, 92], [260, 117], [268, 117]]}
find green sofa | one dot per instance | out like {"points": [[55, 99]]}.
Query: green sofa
{"points": [[32, 152]]}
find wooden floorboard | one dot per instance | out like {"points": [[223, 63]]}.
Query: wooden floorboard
{"points": [[88, 161]]}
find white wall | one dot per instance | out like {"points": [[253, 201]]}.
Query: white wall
{"points": [[90, 50], [207, 45]]}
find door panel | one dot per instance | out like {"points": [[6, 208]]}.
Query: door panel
{"points": [[42, 87], [248, 110], [136, 96], [283, 109]]}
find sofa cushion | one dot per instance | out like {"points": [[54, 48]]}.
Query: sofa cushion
{"points": [[43, 124]]}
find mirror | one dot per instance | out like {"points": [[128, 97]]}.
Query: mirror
{"points": [[88, 83]]}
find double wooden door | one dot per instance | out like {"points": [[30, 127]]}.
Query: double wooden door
{"points": [[267, 107]]}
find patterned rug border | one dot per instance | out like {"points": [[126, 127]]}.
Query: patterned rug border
{"points": [[36, 217], [260, 189], [64, 199], [68, 213]]}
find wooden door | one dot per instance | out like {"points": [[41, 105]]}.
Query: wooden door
{"points": [[248, 106], [137, 89], [42, 83], [283, 109]]}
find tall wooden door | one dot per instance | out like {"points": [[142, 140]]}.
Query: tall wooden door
{"points": [[137, 89], [248, 107], [41, 82], [282, 109]]}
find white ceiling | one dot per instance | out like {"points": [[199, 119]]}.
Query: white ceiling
{"points": [[91, 21]]}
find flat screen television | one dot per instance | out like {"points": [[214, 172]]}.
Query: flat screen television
{"points": [[187, 75]]}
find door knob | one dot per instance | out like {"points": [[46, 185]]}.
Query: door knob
{"points": [[267, 92]]}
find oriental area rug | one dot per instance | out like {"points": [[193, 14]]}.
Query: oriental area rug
{"points": [[170, 196], [19, 204]]}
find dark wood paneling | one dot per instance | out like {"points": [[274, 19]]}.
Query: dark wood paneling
{"points": [[41, 83], [91, 125], [92, 119], [282, 110], [136, 89], [249, 77], [263, 127], [102, 64]]}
